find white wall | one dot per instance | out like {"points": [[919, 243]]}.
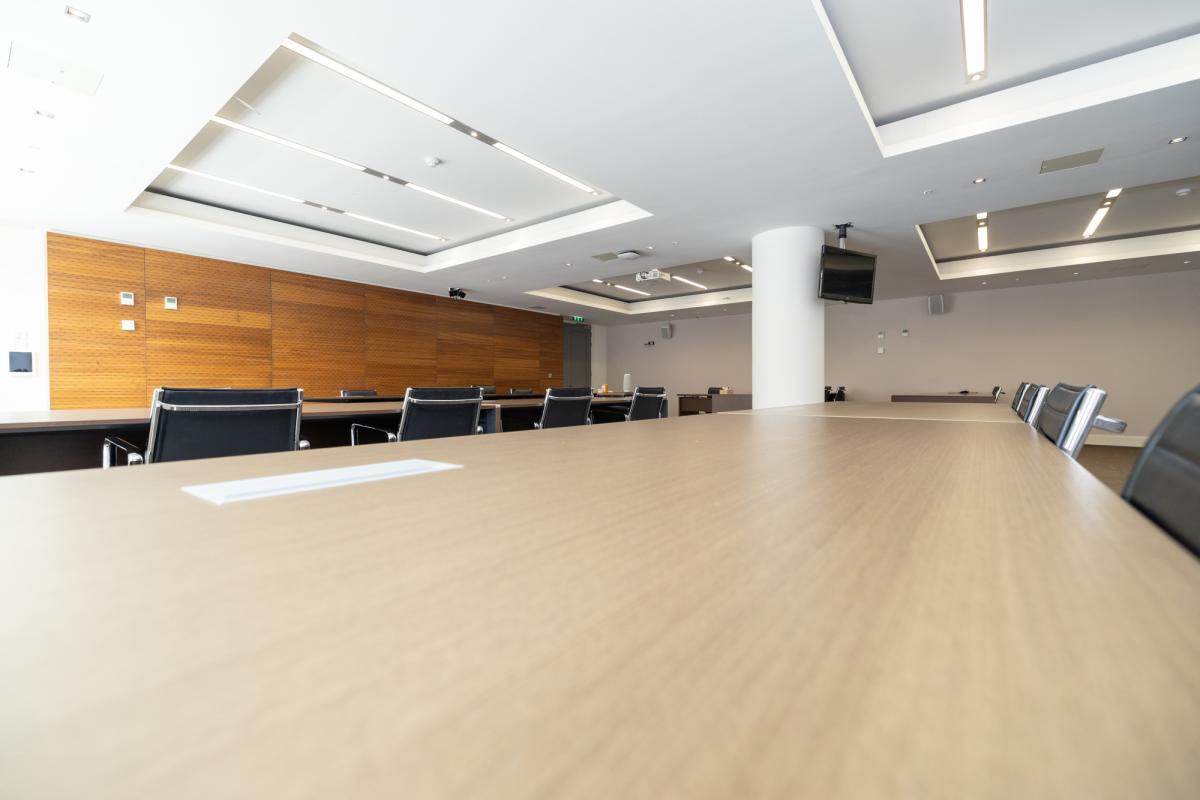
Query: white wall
{"points": [[599, 355], [23, 317], [1136, 337], [712, 351]]}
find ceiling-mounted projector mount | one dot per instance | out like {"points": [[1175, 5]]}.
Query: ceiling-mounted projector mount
{"points": [[841, 229]]}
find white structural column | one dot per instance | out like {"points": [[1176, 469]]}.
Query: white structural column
{"points": [[789, 319]]}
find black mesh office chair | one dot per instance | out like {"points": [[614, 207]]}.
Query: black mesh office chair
{"points": [[649, 402], [566, 407], [1070, 412], [432, 413], [1019, 394], [1165, 481], [208, 423], [1031, 402]]}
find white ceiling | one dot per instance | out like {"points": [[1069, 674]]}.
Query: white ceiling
{"points": [[624, 94], [908, 56]]}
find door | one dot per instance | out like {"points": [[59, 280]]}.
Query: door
{"points": [[577, 355]]}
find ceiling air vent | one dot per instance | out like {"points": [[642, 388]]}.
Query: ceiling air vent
{"points": [[1071, 161], [629, 255], [604, 256]]}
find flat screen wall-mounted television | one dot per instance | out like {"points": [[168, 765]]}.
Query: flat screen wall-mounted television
{"points": [[847, 275]]}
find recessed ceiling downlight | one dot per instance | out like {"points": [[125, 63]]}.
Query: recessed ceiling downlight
{"points": [[979, 180], [289, 198], [1177, 140]]}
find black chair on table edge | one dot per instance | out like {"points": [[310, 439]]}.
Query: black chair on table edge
{"points": [[649, 402], [1165, 481], [431, 413], [209, 423], [566, 407]]}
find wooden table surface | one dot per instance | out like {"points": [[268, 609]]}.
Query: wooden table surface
{"points": [[723, 606], [934, 412]]}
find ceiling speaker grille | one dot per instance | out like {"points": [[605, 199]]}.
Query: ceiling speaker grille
{"points": [[1071, 161]]}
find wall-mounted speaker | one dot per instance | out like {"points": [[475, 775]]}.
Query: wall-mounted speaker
{"points": [[667, 329], [937, 304]]}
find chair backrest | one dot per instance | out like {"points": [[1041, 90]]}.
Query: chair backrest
{"points": [[208, 423], [1068, 414], [649, 402], [486, 388], [434, 413], [1165, 481], [566, 406], [1018, 394], [1031, 403], [358, 393]]}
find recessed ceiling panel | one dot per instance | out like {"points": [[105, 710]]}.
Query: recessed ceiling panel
{"points": [[1137, 211], [303, 130], [908, 57], [704, 276]]}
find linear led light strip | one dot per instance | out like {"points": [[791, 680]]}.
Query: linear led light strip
{"points": [[270, 137], [387, 91], [733, 260], [981, 230], [1101, 213], [635, 291], [289, 198], [974, 33], [690, 283]]}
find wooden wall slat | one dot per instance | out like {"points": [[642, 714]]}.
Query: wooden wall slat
{"points": [[319, 333], [93, 363], [402, 343], [466, 350], [221, 333], [245, 326]]}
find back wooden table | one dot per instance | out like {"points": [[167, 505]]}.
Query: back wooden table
{"points": [[735, 605]]}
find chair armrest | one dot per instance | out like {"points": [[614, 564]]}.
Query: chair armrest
{"points": [[132, 454], [355, 427], [1109, 424]]}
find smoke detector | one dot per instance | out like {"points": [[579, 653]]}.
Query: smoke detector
{"points": [[629, 255]]}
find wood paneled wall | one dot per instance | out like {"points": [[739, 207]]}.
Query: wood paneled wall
{"points": [[245, 326]]}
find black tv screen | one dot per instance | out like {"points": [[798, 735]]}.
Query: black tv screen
{"points": [[847, 275]]}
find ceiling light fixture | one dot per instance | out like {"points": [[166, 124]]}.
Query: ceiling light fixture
{"points": [[312, 151], [981, 233], [551, 171], [365, 80], [979, 180], [981, 215], [597, 280], [746, 267], [77, 13], [974, 34], [635, 291], [349, 72], [289, 198], [729, 258], [1101, 212], [690, 283], [1177, 140]]}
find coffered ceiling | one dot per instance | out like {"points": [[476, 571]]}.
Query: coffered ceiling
{"points": [[690, 153]]}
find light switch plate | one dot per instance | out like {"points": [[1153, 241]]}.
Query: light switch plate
{"points": [[128, 325], [171, 303], [879, 350], [126, 298]]}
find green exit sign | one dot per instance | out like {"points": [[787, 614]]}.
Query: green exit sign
{"points": [[576, 319]]}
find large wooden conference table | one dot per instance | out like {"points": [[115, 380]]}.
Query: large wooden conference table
{"points": [[787, 603]]}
